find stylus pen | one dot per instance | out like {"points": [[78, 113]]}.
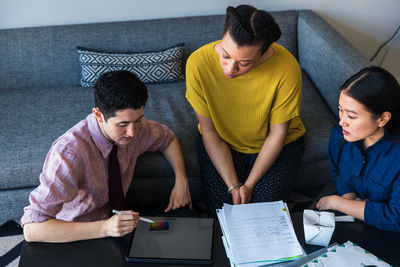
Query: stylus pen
{"points": [[140, 218]]}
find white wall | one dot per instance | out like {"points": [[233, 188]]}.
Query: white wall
{"points": [[365, 23]]}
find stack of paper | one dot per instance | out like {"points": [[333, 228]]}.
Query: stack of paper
{"points": [[258, 234]]}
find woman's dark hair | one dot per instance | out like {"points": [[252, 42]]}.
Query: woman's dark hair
{"points": [[378, 91], [249, 26], [118, 90]]}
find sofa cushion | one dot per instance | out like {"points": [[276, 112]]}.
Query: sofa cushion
{"points": [[151, 67], [168, 105], [13, 201], [32, 118], [314, 174], [318, 120]]}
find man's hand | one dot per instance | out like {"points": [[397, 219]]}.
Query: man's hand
{"points": [[120, 225], [180, 195]]}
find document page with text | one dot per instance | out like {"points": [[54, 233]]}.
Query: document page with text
{"points": [[260, 232]]}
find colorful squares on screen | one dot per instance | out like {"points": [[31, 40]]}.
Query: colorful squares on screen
{"points": [[159, 225]]}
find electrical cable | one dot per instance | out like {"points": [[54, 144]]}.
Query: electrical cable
{"points": [[386, 42], [387, 50]]}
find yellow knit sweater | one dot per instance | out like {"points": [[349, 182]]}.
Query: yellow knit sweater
{"points": [[242, 108]]}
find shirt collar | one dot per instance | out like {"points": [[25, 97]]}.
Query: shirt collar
{"points": [[98, 137], [383, 145]]}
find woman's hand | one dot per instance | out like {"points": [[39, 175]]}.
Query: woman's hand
{"points": [[328, 203], [351, 196], [354, 207], [245, 194], [235, 192]]}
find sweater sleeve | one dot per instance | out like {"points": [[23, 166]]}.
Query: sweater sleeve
{"points": [[287, 100], [194, 87]]}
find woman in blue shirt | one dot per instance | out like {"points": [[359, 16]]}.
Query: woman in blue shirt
{"points": [[364, 150]]}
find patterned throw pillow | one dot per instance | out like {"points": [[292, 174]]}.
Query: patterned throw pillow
{"points": [[153, 67]]}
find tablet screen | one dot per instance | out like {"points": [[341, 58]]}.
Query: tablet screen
{"points": [[173, 240]]}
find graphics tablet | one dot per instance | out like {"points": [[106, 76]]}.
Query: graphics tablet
{"points": [[179, 240]]}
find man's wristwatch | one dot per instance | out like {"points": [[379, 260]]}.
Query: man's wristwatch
{"points": [[234, 186]]}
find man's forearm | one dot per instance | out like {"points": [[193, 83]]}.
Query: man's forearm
{"points": [[57, 231], [173, 153]]}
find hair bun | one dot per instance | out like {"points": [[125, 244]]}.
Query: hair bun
{"points": [[263, 22], [249, 26], [231, 12]]}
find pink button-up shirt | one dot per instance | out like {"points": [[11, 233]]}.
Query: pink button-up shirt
{"points": [[74, 181]]}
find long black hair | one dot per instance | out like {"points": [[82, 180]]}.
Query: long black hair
{"points": [[249, 26], [378, 91]]}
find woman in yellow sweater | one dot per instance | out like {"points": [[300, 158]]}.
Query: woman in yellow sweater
{"points": [[246, 92]]}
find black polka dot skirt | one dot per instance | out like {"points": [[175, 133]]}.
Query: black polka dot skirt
{"points": [[276, 184]]}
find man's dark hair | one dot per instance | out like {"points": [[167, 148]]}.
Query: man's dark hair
{"points": [[118, 90], [249, 26], [378, 91]]}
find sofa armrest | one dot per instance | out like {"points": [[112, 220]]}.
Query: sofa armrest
{"points": [[327, 57]]}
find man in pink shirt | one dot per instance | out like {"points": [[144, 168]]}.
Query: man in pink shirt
{"points": [[72, 201]]}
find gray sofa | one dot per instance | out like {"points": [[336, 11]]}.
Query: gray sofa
{"points": [[40, 96]]}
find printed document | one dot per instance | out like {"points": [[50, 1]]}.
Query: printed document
{"points": [[259, 233]]}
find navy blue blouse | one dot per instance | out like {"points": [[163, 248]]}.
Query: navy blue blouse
{"points": [[372, 173]]}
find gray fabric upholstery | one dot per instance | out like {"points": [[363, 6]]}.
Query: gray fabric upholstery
{"points": [[314, 174], [167, 104], [326, 56], [40, 98], [317, 119], [13, 201], [46, 56], [31, 119]]}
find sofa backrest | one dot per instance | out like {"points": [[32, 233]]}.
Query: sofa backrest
{"points": [[47, 56], [327, 57]]}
